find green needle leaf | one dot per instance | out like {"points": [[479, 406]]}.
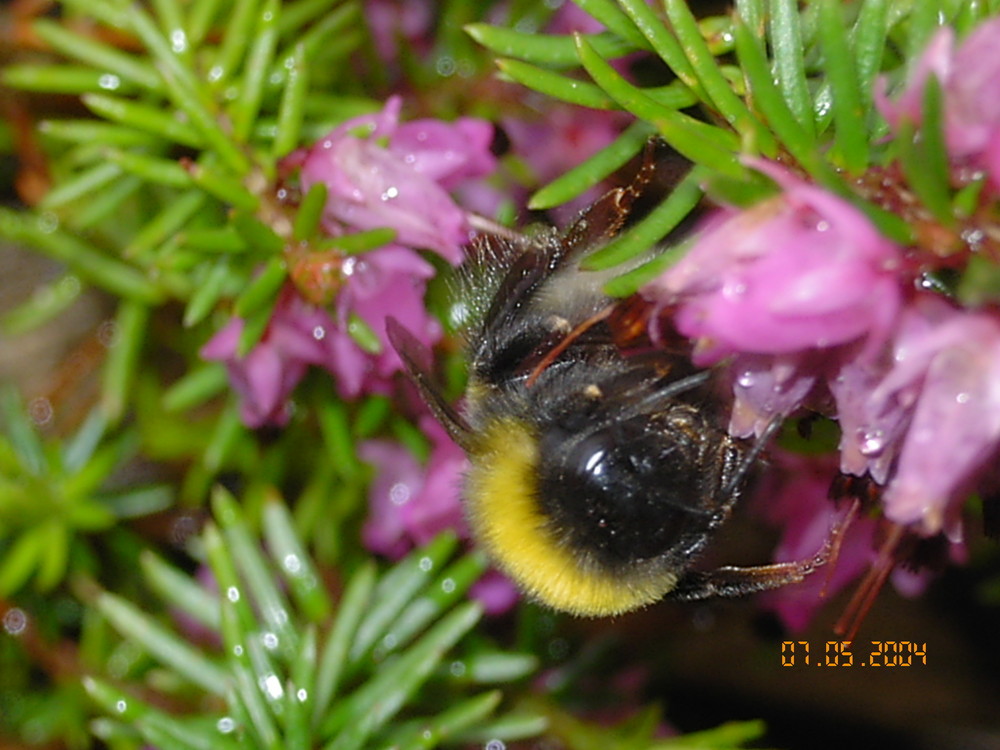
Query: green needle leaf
{"points": [[207, 293], [542, 49], [663, 42], [851, 135], [153, 120], [180, 590], [710, 77], [653, 228], [310, 212], [367, 710], [246, 106], [263, 289], [83, 184], [196, 387], [174, 215], [242, 17], [123, 358], [297, 569], [161, 643], [555, 85], [270, 601], [291, 111], [397, 588], [153, 169], [768, 100], [701, 143], [100, 56], [789, 66], [350, 611], [590, 172], [60, 79], [868, 36], [91, 264], [614, 20]]}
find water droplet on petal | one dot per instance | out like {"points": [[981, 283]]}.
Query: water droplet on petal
{"points": [[872, 443]]}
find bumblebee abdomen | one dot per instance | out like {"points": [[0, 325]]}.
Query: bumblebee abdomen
{"points": [[513, 520]]}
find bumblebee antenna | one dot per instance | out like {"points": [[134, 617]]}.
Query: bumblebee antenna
{"points": [[416, 360]]}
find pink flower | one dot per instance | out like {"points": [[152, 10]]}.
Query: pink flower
{"points": [[767, 387], [410, 504], [388, 281], [945, 382], [382, 283], [380, 173], [970, 83], [800, 271], [268, 373], [395, 21]]}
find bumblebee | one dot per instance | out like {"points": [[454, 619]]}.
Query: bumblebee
{"points": [[599, 467]]}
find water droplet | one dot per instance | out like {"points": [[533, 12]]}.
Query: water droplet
{"points": [[48, 222], [349, 266], [390, 193], [292, 564], [425, 564], [15, 621], [963, 398], [445, 66], [109, 82], [225, 725], [319, 333], [270, 641], [389, 641], [237, 650], [448, 585], [457, 668], [872, 443], [121, 707], [40, 411], [495, 745], [734, 289], [746, 379], [107, 333], [399, 493], [215, 73], [302, 694], [271, 686], [178, 40], [233, 594]]}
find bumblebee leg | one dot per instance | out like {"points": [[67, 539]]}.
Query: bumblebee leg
{"points": [[734, 581]]}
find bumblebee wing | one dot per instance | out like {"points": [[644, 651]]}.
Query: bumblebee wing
{"points": [[416, 359]]}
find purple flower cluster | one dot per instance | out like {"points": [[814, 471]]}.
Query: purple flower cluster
{"points": [[812, 306], [409, 504], [378, 172]]}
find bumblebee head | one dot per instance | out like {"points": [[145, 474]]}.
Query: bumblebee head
{"points": [[594, 522]]}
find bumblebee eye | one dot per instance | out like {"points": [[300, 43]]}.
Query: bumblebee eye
{"points": [[631, 490]]}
